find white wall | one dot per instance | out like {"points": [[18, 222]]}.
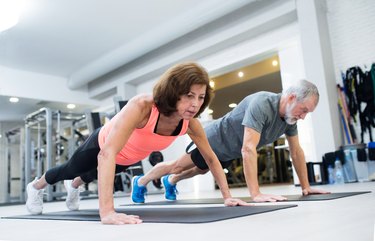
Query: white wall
{"points": [[351, 27], [292, 70], [318, 62]]}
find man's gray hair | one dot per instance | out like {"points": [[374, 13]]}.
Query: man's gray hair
{"points": [[303, 90]]}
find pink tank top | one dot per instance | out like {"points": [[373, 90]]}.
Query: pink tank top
{"points": [[142, 141]]}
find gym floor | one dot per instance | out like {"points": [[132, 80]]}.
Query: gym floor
{"points": [[350, 218]]}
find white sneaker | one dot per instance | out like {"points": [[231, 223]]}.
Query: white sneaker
{"points": [[34, 202], [72, 198]]}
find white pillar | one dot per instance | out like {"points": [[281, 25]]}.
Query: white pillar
{"points": [[319, 69], [126, 91], [292, 69]]}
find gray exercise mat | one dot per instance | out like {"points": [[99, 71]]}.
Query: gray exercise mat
{"points": [[163, 215], [290, 198]]}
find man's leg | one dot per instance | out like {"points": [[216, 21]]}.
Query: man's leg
{"points": [[170, 181], [163, 168], [175, 178]]}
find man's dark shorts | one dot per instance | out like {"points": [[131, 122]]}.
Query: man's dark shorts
{"points": [[199, 161]]}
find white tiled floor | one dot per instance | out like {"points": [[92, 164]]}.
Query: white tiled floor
{"points": [[345, 219]]}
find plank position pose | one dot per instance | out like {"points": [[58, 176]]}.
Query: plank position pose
{"points": [[147, 123], [259, 119]]}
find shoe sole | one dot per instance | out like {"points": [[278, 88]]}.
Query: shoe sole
{"points": [[33, 212]]}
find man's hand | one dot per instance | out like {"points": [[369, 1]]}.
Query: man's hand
{"points": [[308, 191], [230, 202], [268, 198], [120, 218]]}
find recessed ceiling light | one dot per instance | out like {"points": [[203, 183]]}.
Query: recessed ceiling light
{"points": [[240, 74], [14, 99], [71, 106], [275, 63], [232, 105], [10, 11]]}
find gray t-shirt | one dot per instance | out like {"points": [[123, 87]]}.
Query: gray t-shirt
{"points": [[259, 111]]}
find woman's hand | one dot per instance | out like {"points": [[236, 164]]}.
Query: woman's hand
{"points": [[308, 191], [268, 198], [231, 202], [120, 219]]}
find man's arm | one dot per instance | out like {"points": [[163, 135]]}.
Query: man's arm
{"points": [[250, 160], [299, 163], [250, 165], [198, 136], [298, 159]]}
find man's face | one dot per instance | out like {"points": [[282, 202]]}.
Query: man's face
{"points": [[289, 118], [295, 110]]}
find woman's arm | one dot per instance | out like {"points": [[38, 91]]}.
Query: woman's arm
{"points": [[132, 116]]}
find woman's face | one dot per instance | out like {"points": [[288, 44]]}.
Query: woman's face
{"points": [[190, 103]]}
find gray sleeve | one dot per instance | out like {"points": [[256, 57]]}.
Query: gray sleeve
{"points": [[254, 117], [291, 130]]}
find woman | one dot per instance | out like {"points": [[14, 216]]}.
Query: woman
{"points": [[146, 124]]}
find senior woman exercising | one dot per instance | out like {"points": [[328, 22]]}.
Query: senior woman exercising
{"points": [[147, 123]]}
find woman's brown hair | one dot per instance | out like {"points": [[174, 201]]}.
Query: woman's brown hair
{"points": [[177, 81]]}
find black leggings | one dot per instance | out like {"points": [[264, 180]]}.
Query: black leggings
{"points": [[83, 163], [198, 159]]}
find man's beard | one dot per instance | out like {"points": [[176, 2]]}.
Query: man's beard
{"points": [[289, 118]]}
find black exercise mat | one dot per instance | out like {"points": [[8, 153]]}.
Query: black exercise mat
{"points": [[291, 198], [163, 215]]}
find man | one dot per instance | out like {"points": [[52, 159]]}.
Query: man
{"points": [[259, 119]]}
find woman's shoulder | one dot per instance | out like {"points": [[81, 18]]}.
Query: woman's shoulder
{"points": [[194, 125], [140, 106]]}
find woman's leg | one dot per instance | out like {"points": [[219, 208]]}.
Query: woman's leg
{"points": [[83, 160], [41, 183], [77, 182]]}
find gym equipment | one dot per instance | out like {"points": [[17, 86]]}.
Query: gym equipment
{"points": [[155, 158], [290, 198], [48, 133], [14, 152], [163, 215]]}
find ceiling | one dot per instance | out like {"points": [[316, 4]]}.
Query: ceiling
{"points": [[61, 37], [11, 112], [79, 42], [64, 37]]}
